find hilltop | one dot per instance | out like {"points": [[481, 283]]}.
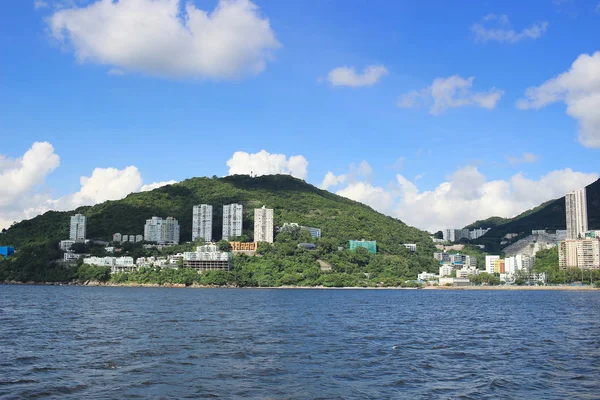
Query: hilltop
{"points": [[293, 200], [550, 215]]}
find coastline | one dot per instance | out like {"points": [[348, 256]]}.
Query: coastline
{"points": [[183, 286]]}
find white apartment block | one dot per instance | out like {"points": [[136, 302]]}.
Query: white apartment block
{"points": [[576, 209], [489, 263], [232, 220], [116, 237], [65, 245], [427, 276], [263, 225], [446, 270], [202, 222], [454, 235], [161, 231], [584, 254], [411, 247], [77, 231], [207, 258]]}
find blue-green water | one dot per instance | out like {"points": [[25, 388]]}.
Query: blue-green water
{"points": [[96, 342]]}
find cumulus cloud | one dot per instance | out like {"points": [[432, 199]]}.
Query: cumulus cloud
{"points": [[579, 89], [22, 197], [20, 176], [156, 185], [451, 92], [465, 197], [332, 180], [347, 76], [497, 28], [265, 163], [525, 158], [162, 38]]}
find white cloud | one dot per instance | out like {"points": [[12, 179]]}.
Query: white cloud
{"points": [[451, 92], [156, 185], [347, 76], [162, 38], [579, 89], [374, 196], [465, 197], [21, 195], [332, 180], [264, 163], [37, 4], [502, 32], [525, 158], [20, 176]]}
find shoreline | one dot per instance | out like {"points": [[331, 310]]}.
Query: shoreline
{"points": [[183, 286]]}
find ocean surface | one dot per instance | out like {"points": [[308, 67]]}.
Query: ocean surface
{"points": [[111, 343]]}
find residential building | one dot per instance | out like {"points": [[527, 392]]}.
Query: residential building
{"points": [[411, 247], [139, 238], [131, 238], [499, 266], [454, 281], [206, 258], [232, 220], [489, 263], [243, 246], [583, 253], [263, 225], [116, 264], [441, 256], [427, 276], [454, 235], [124, 238], [592, 235], [78, 228], [518, 262], [446, 270], [116, 237], [162, 231], [6, 251], [466, 271], [65, 245], [576, 209], [314, 232], [71, 256], [370, 245], [202, 216]]}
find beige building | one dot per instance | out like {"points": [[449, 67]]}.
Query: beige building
{"points": [[263, 225], [583, 253]]}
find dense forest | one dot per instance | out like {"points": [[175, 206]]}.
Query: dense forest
{"points": [[282, 263]]}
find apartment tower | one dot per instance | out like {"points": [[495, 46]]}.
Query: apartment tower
{"points": [[232, 220], [576, 208], [202, 222]]}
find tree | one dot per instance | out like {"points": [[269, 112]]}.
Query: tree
{"points": [[79, 248], [224, 245]]}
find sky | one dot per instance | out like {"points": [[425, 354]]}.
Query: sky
{"points": [[438, 113]]}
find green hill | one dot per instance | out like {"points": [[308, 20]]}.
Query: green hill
{"points": [[293, 200], [550, 216]]}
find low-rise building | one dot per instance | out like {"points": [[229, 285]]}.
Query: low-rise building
{"points": [[446, 270], [466, 271], [71, 256], [207, 258], [427, 276], [243, 246], [65, 245], [370, 245], [410, 246], [454, 281]]}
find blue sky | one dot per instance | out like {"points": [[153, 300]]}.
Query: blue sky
{"points": [[115, 111]]}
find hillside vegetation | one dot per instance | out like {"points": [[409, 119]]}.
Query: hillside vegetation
{"points": [[293, 200]]}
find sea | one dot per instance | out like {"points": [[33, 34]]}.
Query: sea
{"points": [[60, 342]]}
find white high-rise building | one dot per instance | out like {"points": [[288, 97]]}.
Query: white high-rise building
{"points": [[489, 263], [77, 231], [162, 231], [232, 220], [263, 225], [576, 208], [202, 222]]}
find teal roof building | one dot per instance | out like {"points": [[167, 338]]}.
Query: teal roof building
{"points": [[370, 245]]}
